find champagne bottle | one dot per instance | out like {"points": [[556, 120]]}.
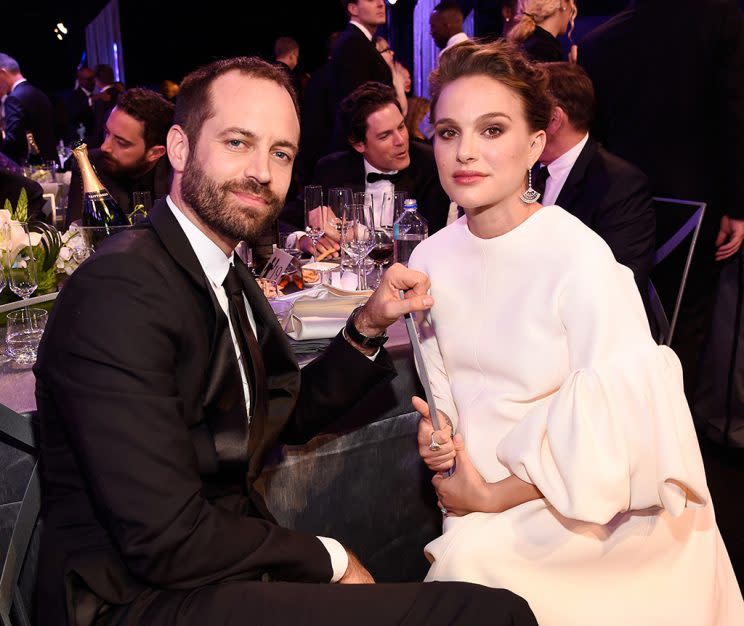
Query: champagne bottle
{"points": [[99, 207]]}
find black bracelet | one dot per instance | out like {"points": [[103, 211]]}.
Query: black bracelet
{"points": [[360, 339]]}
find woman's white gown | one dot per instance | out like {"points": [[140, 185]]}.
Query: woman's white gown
{"points": [[539, 350]]}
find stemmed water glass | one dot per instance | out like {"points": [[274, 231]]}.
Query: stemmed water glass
{"points": [[22, 265], [358, 237], [314, 209]]}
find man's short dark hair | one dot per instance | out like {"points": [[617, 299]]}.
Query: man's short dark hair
{"points": [[345, 5], [571, 89], [194, 104], [449, 5], [150, 108], [104, 73], [285, 45], [360, 104]]}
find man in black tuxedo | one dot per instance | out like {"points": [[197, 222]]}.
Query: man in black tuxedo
{"points": [[163, 379], [132, 157], [608, 194], [79, 105], [380, 160], [355, 59], [27, 109]]}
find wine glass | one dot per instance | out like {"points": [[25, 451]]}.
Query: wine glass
{"points": [[358, 237], [314, 209], [21, 263]]}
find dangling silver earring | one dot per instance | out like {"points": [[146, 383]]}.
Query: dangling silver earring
{"points": [[529, 196]]}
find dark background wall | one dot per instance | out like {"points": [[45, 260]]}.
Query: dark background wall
{"points": [[162, 39]]}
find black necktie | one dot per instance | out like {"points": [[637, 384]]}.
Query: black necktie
{"points": [[373, 177], [251, 357], [539, 178]]}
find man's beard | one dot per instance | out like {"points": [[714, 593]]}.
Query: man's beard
{"points": [[114, 168], [222, 213]]}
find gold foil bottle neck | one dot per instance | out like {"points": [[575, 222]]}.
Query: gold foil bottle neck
{"points": [[91, 182]]}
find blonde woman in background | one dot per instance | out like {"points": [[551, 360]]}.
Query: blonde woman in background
{"points": [[539, 23]]}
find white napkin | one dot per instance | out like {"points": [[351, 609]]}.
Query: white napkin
{"points": [[319, 313]]}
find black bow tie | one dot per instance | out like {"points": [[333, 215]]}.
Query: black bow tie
{"points": [[373, 177]]}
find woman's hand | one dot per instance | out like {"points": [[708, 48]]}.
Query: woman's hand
{"points": [[435, 446], [466, 491]]}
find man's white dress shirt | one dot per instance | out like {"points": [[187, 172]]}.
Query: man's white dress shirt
{"points": [[559, 171]]}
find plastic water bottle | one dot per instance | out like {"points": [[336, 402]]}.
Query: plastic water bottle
{"points": [[409, 230]]}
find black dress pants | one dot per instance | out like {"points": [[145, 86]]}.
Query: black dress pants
{"points": [[249, 603]]}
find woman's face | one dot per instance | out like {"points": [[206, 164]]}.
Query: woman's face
{"points": [[482, 144]]}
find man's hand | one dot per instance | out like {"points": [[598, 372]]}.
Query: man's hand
{"points": [[327, 248], [324, 217], [442, 457], [385, 305], [729, 239], [356, 573]]}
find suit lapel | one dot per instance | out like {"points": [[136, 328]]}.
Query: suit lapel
{"points": [[223, 400], [571, 188]]}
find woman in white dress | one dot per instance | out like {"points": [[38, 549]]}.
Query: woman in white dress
{"points": [[579, 483]]}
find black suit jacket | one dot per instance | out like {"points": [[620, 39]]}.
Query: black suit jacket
{"points": [[156, 181], [354, 61], [542, 47], [420, 179], [78, 111], [669, 78], [28, 109], [135, 371], [612, 197]]}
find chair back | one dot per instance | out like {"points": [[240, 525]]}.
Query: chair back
{"points": [[18, 451], [677, 227]]}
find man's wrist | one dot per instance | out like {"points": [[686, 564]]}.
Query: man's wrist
{"points": [[363, 324]]}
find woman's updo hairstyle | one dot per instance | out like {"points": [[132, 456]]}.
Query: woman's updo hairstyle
{"points": [[502, 61]]}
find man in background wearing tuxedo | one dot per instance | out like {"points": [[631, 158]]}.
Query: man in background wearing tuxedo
{"points": [[380, 158], [132, 156], [27, 109], [355, 59], [164, 379], [608, 194]]}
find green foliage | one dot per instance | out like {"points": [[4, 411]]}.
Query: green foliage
{"points": [[51, 242], [21, 212]]}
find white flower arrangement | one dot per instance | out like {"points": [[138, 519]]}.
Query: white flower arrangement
{"points": [[72, 252]]}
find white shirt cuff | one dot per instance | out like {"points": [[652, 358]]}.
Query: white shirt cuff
{"points": [[339, 557], [293, 239]]}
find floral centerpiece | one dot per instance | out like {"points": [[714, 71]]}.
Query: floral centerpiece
{"points": [[46, 242]]}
